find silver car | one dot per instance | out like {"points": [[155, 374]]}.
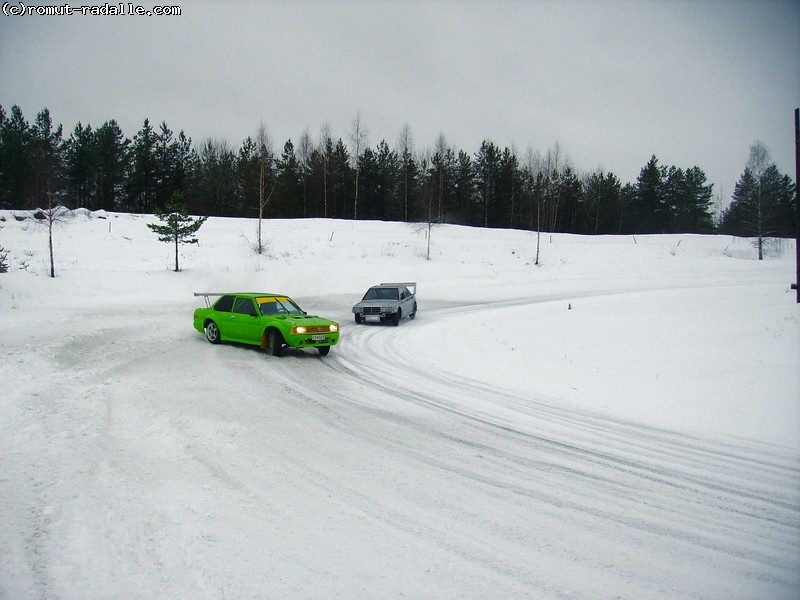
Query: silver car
{"points": [[387, 302]]}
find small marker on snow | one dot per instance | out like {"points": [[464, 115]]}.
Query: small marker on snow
{"points": [[569, 306]]}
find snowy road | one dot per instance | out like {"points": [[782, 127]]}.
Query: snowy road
{"points": [[372, 472]]}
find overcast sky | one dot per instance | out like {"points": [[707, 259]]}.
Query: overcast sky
{"points": [[611, 81]]}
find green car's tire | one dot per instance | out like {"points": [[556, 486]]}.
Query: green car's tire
{"points": [[275, 342], [212, 333], [323, 350]]}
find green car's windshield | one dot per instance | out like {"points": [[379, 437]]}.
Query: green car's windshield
{"points": [[279, 306]]}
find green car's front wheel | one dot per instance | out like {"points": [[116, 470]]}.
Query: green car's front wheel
{"points": [[275, 342], [323, 350], [212, 332]]}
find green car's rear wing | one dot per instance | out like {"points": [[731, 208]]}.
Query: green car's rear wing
{"points": [[207, 295]]}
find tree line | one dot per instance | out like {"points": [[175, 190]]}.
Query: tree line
{"points": [[99, 168]]}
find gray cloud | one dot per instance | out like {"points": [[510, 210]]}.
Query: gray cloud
{"points": [[612, 82]]}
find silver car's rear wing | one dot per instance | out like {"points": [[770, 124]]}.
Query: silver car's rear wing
{"points": [[408, 284]]}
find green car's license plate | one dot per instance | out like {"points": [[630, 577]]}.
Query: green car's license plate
{"points": [[318, 338]]}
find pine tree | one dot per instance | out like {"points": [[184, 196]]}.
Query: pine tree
{"points": [[388, 168], [111, 154], [16, 164], [779, 197], [408, 173], [164, 160], [248, 177], [47, 160], [649, 209], [142, 181], [81, 166], [739, 218], [215, 181], [693, 213], [570, 194], [340, 182], [602, 203], [370, 200], [179, 228], [627, 213], [486, 174], [509, 189], [174, 161], [288, 191]]}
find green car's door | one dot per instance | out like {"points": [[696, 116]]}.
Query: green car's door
{"points": [[244, 324]]}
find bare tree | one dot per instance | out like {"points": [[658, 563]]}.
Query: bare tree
{"points": [[534, 165], [440, 150], [264, 149], [719, 207], [758, 163], [555, 166], [358, 136], [52, 217], [304, 149], [325, 147], [405, 149]]}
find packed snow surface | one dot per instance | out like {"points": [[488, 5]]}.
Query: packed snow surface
{"points": [[621, 420]]}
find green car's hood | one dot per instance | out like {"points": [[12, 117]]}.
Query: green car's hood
{"points": [[304, 319]]}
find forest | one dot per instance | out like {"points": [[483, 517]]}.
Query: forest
{"points": [[101, 168]]}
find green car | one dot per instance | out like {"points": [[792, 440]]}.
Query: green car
{"points": [[271, 321]]}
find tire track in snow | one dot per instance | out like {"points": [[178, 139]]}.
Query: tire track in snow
{"points": [[735, 499]]}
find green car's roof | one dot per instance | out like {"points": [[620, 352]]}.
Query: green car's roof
{"points": [[257, 294], [248, 294], [260, 297]]}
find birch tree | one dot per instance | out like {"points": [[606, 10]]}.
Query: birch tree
{"points": [[265, 177], [757, 164], [405, 149], [358, 137]]}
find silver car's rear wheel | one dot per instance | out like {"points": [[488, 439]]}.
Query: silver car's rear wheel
{"points": [[212, 332]]}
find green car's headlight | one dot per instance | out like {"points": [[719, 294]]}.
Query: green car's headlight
{"points": [[298, 330], [334, 327]]}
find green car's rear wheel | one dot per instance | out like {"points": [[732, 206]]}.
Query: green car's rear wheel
{"points": [[212, 332]]}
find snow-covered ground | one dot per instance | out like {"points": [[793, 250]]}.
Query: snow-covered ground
{"points": [[620, 421]]}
